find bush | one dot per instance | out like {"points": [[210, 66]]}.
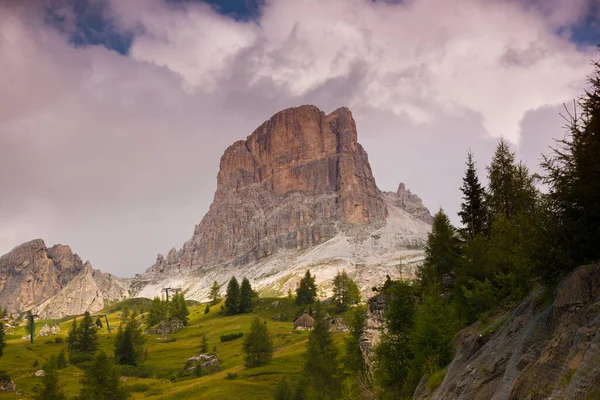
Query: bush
{"points": [[58, 339], [231, 376], [141, 371], [231, 336], [436, 379], [139, 387]]}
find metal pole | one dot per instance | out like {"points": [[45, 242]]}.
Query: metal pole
{"points": [[107, 324], [31, 327]]}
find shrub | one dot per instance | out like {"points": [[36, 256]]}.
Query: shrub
{"points": [[141, 371], [139, 387], [231, 336], [231, 376], [58, 339]]}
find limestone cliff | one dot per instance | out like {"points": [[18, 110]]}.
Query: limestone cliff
{"points": [[537, 351], [56, 278], [296, 182]]}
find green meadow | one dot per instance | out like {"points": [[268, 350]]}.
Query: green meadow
{"points": [[167, 377]]}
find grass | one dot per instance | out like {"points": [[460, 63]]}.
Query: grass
{"points": [[166, 359], [436, 379]]}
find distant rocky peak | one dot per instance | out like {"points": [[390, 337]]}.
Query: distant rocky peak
{"points": [[411, 203]]}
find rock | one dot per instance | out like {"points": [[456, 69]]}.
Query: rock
{"points": [[533, 352], [40, 373], [374, 327], [49, 330], [205, 361], [275, 304], [53, 282], [337, 325], [412, 203], [166, 326], [6, 384], [26, 337]]}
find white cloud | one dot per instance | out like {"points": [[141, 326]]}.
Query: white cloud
{"points": [[117, 155]]}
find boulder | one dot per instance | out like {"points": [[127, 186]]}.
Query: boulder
{"points": [[166, 326], [48, 330], [205, 361], [40, 373]]}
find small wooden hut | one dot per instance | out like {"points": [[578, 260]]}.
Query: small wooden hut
{"points": [[304, 322]]}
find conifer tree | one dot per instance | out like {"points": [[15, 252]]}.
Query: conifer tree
{"points": [[321, 369], [441, 251], [204, 345], [101, 381], [345, 291], [99, 322], [258, 345], [207, 309], [129, 343], [50, 388], [61, 360], [307, 290], [246, 293], [179, 308], [232, 298], [573, 177], [2, 341], [473, 212], [215, 293], [157, 311], [88, 335]]}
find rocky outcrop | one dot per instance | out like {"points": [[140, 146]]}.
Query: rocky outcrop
{"points": [[291, 184], [48, 330], [410, 202], [298, 191], [167, 326], [374, 328], [54, 282], [535, 352], [205, 361]]}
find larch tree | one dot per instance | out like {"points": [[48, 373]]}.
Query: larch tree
{"points": [[258, 345], [215, 293]]}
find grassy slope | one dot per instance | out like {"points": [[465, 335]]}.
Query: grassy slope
{"points": [[167, 359]]}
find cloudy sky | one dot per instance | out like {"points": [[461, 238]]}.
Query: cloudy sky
{"points": [[114, 113]]}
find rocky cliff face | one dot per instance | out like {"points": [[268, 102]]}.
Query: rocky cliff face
{"points": [[535, 352], [298, 191], [32, 275], [292, 184]]}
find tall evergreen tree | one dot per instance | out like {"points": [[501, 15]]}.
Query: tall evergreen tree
{"points": [[215, 293], [50, 388], [88, 334], [101, 381], [473, 212], [232, 298], [179, 308], [129, 343], [246, 293], [157, 312], [345, 291], [573, 177], [322, 373], [501, 186], [441, 251], [2, 341], [258, 345], [98, 323], [307, 290]]}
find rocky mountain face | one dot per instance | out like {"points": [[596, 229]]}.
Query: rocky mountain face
{"points": [[537, 351], [53, 282], [298, 191]]}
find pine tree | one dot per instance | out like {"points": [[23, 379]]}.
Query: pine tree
{"points": [[157, 312], [50, 388], [72, 337], [232, 298], [99, 322], [215, 293], [258, 345], [283, 390], [307, 290], [101, 381], [246, 293], [573, 177], [441, 251], [61, 361], [207, 309], [179, 308], [345, 291], [321, 370], [204, 345], [473, 212], [2, 341], [88, 335], [129, 343]]}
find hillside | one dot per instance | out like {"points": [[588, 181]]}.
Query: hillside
{"points": [[166, 359]]}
